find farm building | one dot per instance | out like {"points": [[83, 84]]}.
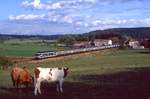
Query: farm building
{"points": [[102, 42], [135, 44], [96, 43]]}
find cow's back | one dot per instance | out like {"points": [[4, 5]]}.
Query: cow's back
{"points": [[50, 74], [43, 73], [57, 74], [25, 76]]}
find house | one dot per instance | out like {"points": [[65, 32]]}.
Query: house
{"points": [[135, 44], [93, 43], [102, 42]]}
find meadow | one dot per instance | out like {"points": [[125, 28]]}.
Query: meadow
{"points": [[105, 74], [27, 47]]}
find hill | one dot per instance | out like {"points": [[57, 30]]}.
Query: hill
{"points": [[137, 33], [46, 37]]}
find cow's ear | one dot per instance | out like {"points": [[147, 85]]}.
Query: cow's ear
{"points": [[24, 67], [66, 68]]}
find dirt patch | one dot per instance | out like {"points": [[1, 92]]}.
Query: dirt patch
{"points": [[18, 60]]}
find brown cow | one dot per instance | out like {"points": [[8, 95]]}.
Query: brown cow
{"points": [[21, 76]]}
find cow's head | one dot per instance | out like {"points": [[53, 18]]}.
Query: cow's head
{"points": [[65, 71]]}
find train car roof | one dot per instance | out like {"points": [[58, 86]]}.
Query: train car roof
{"points": [[44, 51]]}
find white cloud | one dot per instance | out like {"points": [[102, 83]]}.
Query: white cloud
{"points": [[26, 17], [82, 24], [36, 3], [146, 21], [67, 19], [114, 23], [65, 4], [79, 13]]}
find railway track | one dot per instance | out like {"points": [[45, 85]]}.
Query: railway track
{"points": [[43, 55], [61, 55]]}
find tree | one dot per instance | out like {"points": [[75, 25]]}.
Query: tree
{"points": [[122, 40], [147, 43], [69, 40]]}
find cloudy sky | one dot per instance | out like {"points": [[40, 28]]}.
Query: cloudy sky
{"points": [[78, 16]]}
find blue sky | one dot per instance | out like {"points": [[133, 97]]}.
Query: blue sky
{"points": [[79, 15]]}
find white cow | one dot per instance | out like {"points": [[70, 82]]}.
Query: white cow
{"points": [[49, 75]]}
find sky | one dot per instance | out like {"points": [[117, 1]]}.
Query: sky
{"points": [[78, 15]]}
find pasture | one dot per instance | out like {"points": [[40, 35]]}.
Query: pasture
{"points": [[105, 74], [21, 48]]}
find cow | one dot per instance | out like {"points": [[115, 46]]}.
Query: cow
{"points": [[49, 75], [21, 76]]}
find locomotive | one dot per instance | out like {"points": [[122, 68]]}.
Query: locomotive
{"points": [[44, 54]]}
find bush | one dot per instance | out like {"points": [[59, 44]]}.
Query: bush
{"points": [[5, 62]]}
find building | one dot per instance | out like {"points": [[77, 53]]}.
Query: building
{"points": [[102, 42], [135, 44], [94, 43]]}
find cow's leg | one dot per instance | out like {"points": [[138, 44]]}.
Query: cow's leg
{"points": [[35, 90], [37, 87], [60, 85], [14, 83], [18, 81], [17, 84], [27, 85]]}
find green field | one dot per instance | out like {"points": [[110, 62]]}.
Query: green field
{"points": [[18, 47], [113, 74]]}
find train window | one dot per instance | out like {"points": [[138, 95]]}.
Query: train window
{"points": [[37, 54]]}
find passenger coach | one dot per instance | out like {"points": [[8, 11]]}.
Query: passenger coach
{"points": [[44, 54]]}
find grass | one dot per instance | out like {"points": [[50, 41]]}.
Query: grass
{"points": [[26, 47], [100, 74], [98, 63]]}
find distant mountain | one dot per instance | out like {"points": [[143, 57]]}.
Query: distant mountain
{"points": [[138, 33], [44, 37], [34, 27]]}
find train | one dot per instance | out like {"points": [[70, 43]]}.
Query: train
{"points": [[44, 54], [48, 54]]}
